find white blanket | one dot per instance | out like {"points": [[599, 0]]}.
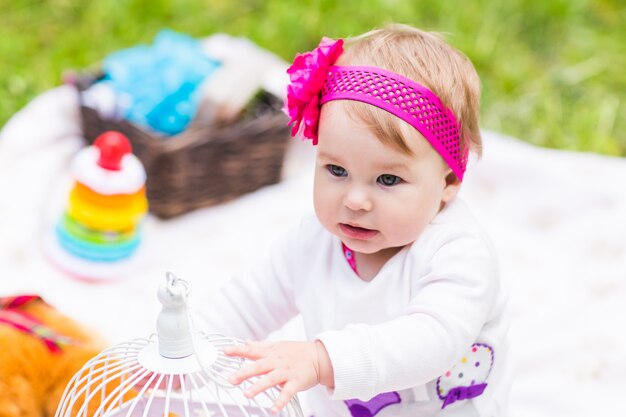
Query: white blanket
{"points": [[557, 218]]}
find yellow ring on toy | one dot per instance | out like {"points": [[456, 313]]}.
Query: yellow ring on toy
{"points": [[106, 218], [115, 200]]}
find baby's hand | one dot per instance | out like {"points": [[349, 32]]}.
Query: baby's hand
{"points": [[294, 366]]}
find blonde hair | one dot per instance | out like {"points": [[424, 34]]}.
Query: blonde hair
{"points": [[427, 59]]}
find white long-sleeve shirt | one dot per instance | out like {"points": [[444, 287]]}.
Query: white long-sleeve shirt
{"points": [[430, 324]]}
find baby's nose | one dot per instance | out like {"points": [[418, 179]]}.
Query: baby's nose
{"points": [[357, 199]]}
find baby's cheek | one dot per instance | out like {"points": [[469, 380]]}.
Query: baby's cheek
{"points": [[407, 229]]}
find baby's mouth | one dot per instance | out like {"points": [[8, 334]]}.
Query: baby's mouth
{"points": [[357, 232]]}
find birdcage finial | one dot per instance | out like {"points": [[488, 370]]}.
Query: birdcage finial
{"points": [[173, 331]]}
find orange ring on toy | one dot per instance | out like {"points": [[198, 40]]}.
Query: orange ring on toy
{"points": [[106, 218], [87, 194]]}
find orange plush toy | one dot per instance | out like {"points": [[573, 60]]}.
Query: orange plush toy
{"points": [[40, 350]]}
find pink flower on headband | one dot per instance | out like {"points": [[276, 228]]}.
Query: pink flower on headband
{"points": [[308, 74]]}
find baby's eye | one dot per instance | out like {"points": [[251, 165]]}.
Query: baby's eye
{"points": [[336, 170], [388, 180]]}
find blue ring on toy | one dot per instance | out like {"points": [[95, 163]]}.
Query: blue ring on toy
{"points": [[96, 252]]}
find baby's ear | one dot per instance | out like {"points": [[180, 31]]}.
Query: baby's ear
{"points": [[451, 188]]}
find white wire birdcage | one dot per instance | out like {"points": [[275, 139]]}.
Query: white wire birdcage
{"points": [[173, 373]]}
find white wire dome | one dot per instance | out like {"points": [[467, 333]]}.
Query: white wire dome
{"points": [[173, 373]]}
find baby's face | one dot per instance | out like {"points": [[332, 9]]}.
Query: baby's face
{"points": [[370, 195]]}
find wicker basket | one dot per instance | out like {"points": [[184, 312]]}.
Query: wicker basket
{"points": [[204, 165]]}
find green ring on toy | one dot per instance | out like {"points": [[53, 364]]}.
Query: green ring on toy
{"points": [[96, 252], [81, 232]]}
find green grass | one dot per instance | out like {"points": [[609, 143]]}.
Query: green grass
{"points": [[553, 71]]}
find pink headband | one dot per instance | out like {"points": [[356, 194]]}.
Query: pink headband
{"points": [[315, 81]]}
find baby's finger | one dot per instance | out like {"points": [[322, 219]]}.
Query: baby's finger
{"points": [[286, 394], [256, 368], [251, 350], [268, 381]]}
